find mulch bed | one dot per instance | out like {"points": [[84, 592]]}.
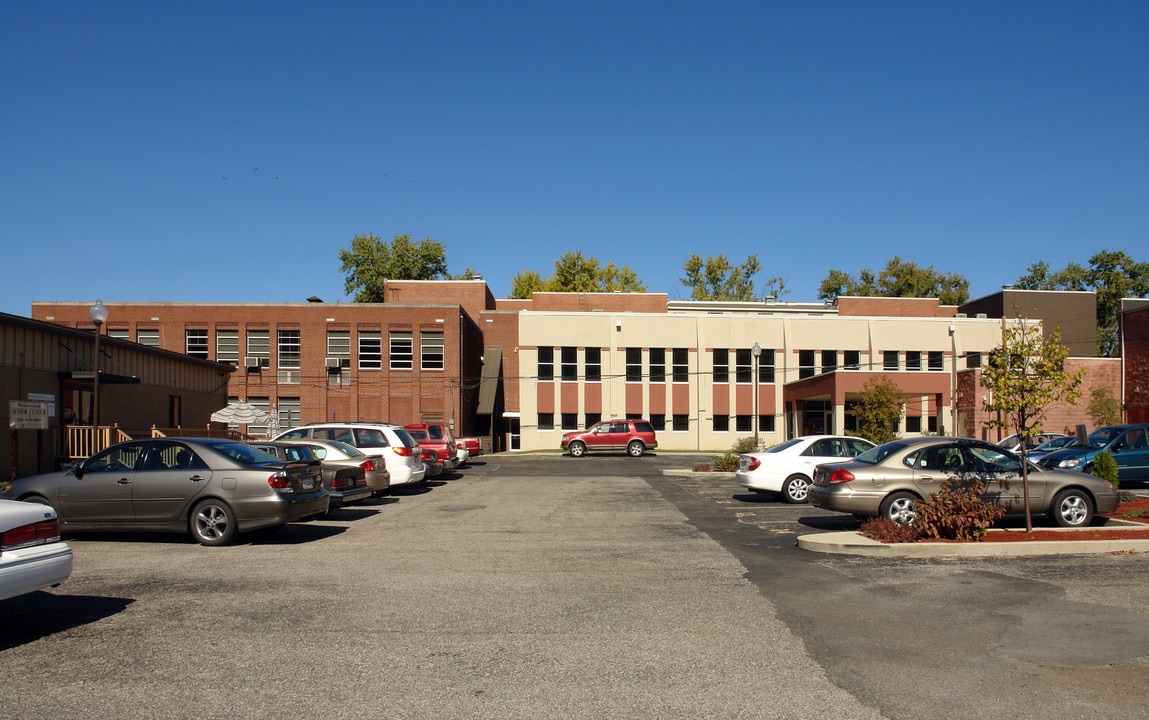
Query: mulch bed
{"points": [[1131, 510]]}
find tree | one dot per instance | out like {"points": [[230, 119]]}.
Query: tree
{"points": [[576, 273], [1024, 377], [1111, 275], [898, 279], [879, 408], [1104, 409], [369, 263], [715, 278]]}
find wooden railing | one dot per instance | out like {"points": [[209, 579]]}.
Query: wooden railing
{"points": [[83, 441]]}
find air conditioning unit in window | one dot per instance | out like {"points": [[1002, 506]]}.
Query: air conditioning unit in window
{"points": [[334, 363], [251, 362]]}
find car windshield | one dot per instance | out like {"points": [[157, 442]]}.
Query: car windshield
{"points": [[348, 450], [783, 446], [1102, 437], [875, 455], [1055, 444]]}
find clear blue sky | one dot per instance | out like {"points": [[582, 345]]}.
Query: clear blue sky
{"points": [[218, 151]]}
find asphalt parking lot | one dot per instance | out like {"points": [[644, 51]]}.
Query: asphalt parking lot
{"points": [[544, 586]]}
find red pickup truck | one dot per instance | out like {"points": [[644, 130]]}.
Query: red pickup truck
{"points": [[471, 445], [436, 436]]}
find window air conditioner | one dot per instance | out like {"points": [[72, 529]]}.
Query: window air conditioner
{"points": [[334, 363], [251, 362]]}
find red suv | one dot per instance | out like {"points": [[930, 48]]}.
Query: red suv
{"points": [[633, 436]]}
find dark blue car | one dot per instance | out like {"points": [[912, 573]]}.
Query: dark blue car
{"points": [[1129, 445]]}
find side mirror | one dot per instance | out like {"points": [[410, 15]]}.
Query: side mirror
{"points": [[76, 469]]}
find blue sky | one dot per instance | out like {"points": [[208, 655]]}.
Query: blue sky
{"points": [[225, 152]]}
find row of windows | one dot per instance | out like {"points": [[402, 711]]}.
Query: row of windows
{"points": [[656, 365], [678, 423], [368, 352]]}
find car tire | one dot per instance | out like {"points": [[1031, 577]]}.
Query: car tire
{"points": [[213, 523], [576, 449], [899, 507], [796, 489], [1072, 508], [635, 448]]}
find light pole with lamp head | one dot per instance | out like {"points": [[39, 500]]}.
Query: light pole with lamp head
{"points": [[756, 351], [99, 316]]}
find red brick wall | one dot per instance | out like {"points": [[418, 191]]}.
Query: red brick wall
{"points": [[893, 307], [1135, 336]]}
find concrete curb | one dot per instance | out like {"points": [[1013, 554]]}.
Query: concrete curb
{"points": [[853, 543]]}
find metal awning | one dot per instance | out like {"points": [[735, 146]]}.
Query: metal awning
{"points": [[105, 378], [489, 381]]}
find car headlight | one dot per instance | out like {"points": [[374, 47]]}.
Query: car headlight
{"points": [[1069, 463]]}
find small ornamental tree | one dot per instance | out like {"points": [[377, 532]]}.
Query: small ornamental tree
{"points": [[878, 410], [1104, 409], [1025, 376]]}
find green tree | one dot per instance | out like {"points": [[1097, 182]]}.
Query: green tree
{"points": [[1104, 409], [369, 263], [1112, 275], [575, 272], [716, 278], [879, 408], [898, 279], [1025, 376]]}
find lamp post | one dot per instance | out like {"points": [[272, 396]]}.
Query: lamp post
{"points": [[99, 316], [756, 351]]}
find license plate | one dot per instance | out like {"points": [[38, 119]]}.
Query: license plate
{"points": [[308, 484]]}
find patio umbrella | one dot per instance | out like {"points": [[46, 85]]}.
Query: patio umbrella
{"points": [[241, 413]]}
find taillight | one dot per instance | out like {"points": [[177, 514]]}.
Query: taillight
{"points": [[279, 481], [402, 450], [35, 534], [368, 466], [753, 464], [841, 475]]}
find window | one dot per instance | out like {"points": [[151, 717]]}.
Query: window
{"points": [[681, 423], [570, 421], [658, 422], [634, 365], [931, 423], [937, 361], [288, 377], [546, 366], [288, 412], [852, 359], [766, 366], [288, 348], [259, 345], [973, 360], [592, 418], [546, 421], [401, 350], [829, 360], [805, 364], [743, 423], [150, 338], [568, 359], [431, 350], [593, 364], [263, 404], [890, 360], [766, 423], [721, 362], [721, 423], [913, 360], [196, 343], [370, 350], [339, 346], [658, 365], [913, 424], [120, 334], [227, 346], [743, 366], [680, 357]]}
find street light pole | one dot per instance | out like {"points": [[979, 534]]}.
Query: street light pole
{"points": [[756, 351], [99, 316]]}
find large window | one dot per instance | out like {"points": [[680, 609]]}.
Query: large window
{"points": [[546, 421], [570, 421], [339, 348], [546, 365], [370, 350], [937, 361], [259, 346], [721, 423], [744, 366], [658, 365], [288, 412], [149, 337], [829, 361], [633, 365], [568, 364], [196, 343], [721, 364], [227, 346], [401, 350], [890, 360], [593, 364], [766, 367], [288, 348], [852, 359], [431, 350], [913, 360], [805, 363], [680, 423], [680, 365]]}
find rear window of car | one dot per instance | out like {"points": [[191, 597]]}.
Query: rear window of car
{"points": [[643, 427], [404, 437], [370, 437], [875, 455]]}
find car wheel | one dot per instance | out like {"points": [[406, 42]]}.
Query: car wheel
{"points": [[1072, 508], [576, 449], [635, 448], [213, 523], [899, 507], [796, 489]]}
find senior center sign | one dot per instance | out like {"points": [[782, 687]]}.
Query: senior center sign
{"points": [[27, 415]]}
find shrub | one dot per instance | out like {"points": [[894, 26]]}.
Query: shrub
{"points": [[744, 445], [702, 467], [1105, 467], [886, 530], [726, 462], [956, 512]]}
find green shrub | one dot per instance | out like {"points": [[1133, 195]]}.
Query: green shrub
{"points": [[744, 445], [956, 512], [726, 462], [1105, 467], [885, 530]]}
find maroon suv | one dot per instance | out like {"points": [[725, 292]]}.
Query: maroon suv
{"points": [[633, 436]]}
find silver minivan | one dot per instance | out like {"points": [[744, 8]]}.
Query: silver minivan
{"points": [[399, 450]]}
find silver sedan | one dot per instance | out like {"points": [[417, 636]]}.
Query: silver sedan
{"points": [[210, 488], [891, 479]]}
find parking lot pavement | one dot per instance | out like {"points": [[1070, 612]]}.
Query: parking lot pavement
{"points": [[521, 588]]}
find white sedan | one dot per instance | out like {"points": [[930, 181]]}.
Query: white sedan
{"points": [[31, 555], [788, 469]]}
